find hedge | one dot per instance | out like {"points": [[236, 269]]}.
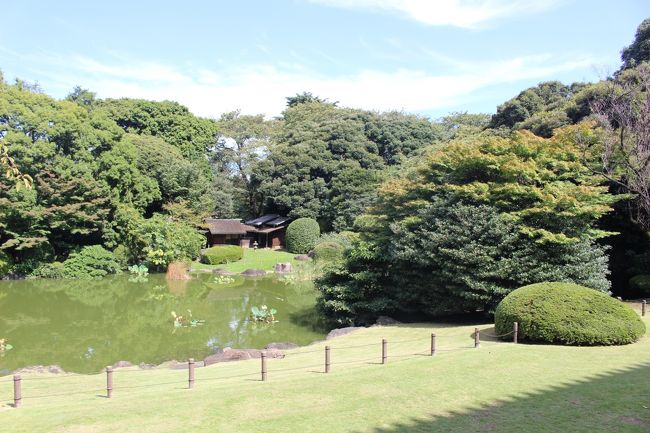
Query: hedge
{"points": [[566, 313], [222, 254], [302, 235]]}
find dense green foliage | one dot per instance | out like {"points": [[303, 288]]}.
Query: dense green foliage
{"points": [[158, 240], [302, 235], [88, 263], [328, 251], [641, 283], [327, 161], [472, 222], [565, 313], [639, 50], [5, 264], [222, 254], [87, 170]]}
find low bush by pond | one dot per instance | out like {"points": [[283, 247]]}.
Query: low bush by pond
{"points": [[566, 313], [222, 254]]}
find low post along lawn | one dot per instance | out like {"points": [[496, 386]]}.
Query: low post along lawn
{"points": [[499, 387]]}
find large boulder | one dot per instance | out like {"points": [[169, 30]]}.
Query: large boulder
{"points": [[283, 268], [40, 369], [229, 354], [281, 346], [342, 331], [254, 273]]}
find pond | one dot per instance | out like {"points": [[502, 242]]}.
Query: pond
{"points": [[84, 326]]}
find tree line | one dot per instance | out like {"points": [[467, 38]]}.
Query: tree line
{"points": [[474, 203]]}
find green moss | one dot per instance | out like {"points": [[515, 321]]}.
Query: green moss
{"points": [[566, 313], [222, 254]]}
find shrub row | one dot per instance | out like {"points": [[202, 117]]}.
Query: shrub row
{"points": [[222, 254]]}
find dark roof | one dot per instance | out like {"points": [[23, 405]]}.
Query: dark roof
{"points": [[278, 221], [226, 227], [259, 221]]}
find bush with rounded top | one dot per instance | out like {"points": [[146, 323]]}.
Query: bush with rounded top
{"points": [[641, 283], [302, 235], [93, 261], [328, 251], [222, 254], [566, 313]]}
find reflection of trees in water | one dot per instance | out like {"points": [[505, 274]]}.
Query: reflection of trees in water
{"points": [[85, 325]]}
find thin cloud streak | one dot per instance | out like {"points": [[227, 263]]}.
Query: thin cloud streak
{"points": [[263, 88], [457, 13]]}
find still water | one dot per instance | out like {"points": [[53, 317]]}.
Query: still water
{"points": [[83, 326]]}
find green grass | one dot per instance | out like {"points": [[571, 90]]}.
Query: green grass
{"points": [[253, 259], [499, 387]]}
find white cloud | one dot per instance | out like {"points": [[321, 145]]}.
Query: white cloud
{"points": [[263, 88], [458, 13]]}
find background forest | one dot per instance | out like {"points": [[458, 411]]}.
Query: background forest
{"points": [[554, 186]]}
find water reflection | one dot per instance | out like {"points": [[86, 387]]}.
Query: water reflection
{"points": [[85, 325]]}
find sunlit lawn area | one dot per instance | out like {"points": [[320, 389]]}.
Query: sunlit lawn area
{"points": [[500, 387], [254, 259]]}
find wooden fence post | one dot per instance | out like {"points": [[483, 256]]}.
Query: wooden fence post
{"points": [[643, 304], [477, 339], [515, 332], [433, 344], [18, 395], [109, 382], [263, 367], [190, 369], [327, 359], [384, 350]]}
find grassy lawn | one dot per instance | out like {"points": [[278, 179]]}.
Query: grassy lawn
{"points": [[260, 259], [499, 387]]}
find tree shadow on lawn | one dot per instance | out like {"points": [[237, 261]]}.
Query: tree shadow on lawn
{"points": [[616, 401]]}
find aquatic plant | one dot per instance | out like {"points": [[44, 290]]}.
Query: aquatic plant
{"points": [[186, 322], [223, 279], [264, 314], [4, 346], [139, 273]]}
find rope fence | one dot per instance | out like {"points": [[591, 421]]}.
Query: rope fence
{"points": [[382, 357]]}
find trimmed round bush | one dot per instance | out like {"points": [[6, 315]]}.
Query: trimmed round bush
{"points": [[641, 283], [328, 251], [566, 313], [222, 254], [302, 235]]}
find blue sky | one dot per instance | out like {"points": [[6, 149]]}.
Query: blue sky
{"points": [[429, 57]]}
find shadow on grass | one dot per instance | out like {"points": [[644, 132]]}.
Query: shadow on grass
{"points": [[615, 401]]}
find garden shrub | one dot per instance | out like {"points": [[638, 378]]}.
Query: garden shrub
{"points": [[156, 241], [302, 235], [222, 254], [90, 262], [5, 264], [53, 270], [641, 283], [566, 313], [328, 251]]}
